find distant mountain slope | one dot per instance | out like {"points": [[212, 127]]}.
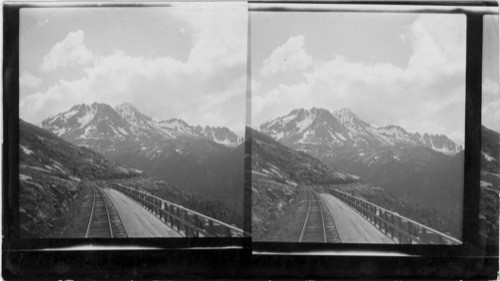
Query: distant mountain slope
{"points": [[424, 168], [272, 159], [52, 173], [490, 150], [279, 174], [198, 166], [201, 160]]}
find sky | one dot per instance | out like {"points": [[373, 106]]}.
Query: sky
{"points": [[399, 69], [491, 93], [188, 61]]}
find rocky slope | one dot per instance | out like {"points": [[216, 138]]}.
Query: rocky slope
{"points": [[278, 176], [52, 173], [490, 183]]}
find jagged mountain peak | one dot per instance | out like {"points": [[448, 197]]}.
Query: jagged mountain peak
{"points": [[345, 111], [126, 107], [305, 125], [317, 111], [132, 115], [177, 124], [396, 128], [222, 135], [350, 120]]}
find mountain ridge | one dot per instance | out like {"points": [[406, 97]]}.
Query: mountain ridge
{"points": [[343, 127], [124, 121]]}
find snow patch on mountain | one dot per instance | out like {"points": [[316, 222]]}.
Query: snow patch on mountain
{"points": [[85, 119], [485, 184], [86, 133], [306, 122], [26, 150], [488, 157], [59, 131]]}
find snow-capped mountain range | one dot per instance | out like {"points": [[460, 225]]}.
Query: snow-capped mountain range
{"points": [[340, 128], [124, 122]]}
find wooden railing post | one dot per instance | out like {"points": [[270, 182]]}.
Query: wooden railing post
{"points": [[402, 237], [178, 213], [210, 229], [228, 232], [186, 220], [197, 224], [168, 208], [172, 219], [386, 225], [393, 229], [440, 239], [410, 231]]}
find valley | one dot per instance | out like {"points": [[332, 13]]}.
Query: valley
{"points": [[59, 182], [416, 176], [205, 161], [408, 165]]}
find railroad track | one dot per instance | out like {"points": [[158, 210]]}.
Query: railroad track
{"points": [[313, 229], [99, 225]]}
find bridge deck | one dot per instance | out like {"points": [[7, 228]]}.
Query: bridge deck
{"points": [[137, 221], [351, 226]]}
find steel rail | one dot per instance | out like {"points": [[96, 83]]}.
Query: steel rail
{"points": [[322, 217], [91, 215], [305, 222], [107, 213]]}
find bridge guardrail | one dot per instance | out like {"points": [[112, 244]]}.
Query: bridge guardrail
{"points": [[400, 229], [187, 222]]}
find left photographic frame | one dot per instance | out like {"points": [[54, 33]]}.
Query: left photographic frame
{"points": [[131, 122]]}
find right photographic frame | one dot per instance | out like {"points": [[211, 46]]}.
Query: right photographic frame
{"points": [[358, 126]]}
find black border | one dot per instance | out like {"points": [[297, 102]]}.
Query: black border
{"points": [[472, 260]]}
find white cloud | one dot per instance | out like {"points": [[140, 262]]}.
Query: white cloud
{"points": [[164, 87], [28, 80], [427, 96], [491, 89], [438, 43], [289, 56], [490, 116], [69, 52], [219, 34]]}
